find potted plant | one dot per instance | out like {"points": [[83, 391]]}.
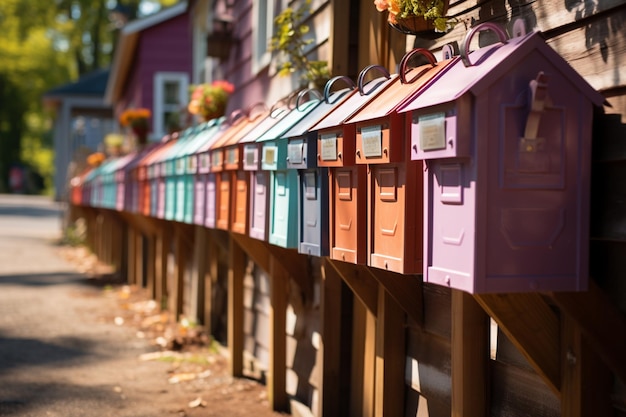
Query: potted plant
{"points": [[138, 121], [417, 16], [209, 100]]}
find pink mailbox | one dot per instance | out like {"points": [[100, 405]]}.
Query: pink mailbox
{"points": [[506, 136], [394, 225], [259, 180], [336, 145]]}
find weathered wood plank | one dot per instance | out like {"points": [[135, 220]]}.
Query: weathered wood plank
{"points": [[470, 357], [132, 255], [603, 325], [163, 246], [360, 282], [199, 273], [533, 327], [276, 385], [390, 356], [236, 271]]}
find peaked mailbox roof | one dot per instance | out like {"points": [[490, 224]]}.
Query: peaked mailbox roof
{"points": [[321, 110], [266, 124], [298, 113], [490, 63], [354, 102]]}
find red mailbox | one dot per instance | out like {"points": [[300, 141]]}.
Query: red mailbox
{"points": [[336, 149], [506, 136], [394, 225]]}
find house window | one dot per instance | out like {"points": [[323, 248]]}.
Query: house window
{"points": [[263, 23], [170, 97]]}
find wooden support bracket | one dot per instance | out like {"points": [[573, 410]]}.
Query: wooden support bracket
{"points": [[406, 290], [359, 281], [532, 326]]}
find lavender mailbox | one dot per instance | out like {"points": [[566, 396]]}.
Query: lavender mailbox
{"points": [[313, 225], [506, 136]]}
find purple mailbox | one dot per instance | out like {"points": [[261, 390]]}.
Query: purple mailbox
{"points": [[505, 134]]}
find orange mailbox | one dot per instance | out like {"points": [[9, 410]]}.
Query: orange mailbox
{"points": [[383, 142], [225, 177], [336, 150]]}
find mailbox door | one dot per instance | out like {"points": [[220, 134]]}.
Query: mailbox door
{"points": [[179, 207], [313, 209], [259, 190], [241, 181], [161, 201], [250, 156], [396, 217], [190, 198], [284, 208], [223, 200], [348, 217], [199, 199], [231, 157], [211, 191]]}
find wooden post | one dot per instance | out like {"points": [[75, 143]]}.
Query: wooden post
{"points": [[180, 256], [470, 357], [151, 266], [163, 242], [390, 357], [209, 278], [139, 258], [199, 272], [276, 385], [329, 353], [132, 255], [236, 271]]}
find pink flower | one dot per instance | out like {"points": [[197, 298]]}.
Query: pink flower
{"points": [[381, 5]]}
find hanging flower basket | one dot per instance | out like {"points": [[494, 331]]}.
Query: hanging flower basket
{"points": [[423, 18]]}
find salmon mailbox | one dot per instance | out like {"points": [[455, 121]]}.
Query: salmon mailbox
{"points": [[312, 195], [258, 185], [336, 146], [232, 153], [283, 192], [223, 169], [394, 225], [505, 134]]}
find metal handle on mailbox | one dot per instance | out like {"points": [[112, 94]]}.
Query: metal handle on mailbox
{"points": [[479, 28], [367, 69], [309, 92], [405, 61], [332, 81], [249, 110]]}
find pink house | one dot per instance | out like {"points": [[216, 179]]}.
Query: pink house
{"points": [[152, 67]]}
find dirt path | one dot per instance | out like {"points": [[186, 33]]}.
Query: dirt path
{"points": [[72, 346]]}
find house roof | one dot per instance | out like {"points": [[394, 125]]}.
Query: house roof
{"points": [[127, 43], [91, 84]]}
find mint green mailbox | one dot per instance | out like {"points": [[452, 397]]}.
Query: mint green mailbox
{"points": [[168, 171], [283, 195]]}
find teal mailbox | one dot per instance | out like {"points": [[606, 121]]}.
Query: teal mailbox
{"points": [[283, 193]]}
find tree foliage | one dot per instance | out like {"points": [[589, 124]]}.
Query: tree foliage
{"points": [[46, 44]]}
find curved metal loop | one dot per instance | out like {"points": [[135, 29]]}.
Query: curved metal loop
{"points": [[479, 28], [234, 116], [310, 92], [250, 109], [281, 105], [330, 83], [367, 69], [405, 60]]}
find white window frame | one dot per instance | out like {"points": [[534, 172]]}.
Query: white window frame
{"points": [[262, 28], [158, 107]]}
